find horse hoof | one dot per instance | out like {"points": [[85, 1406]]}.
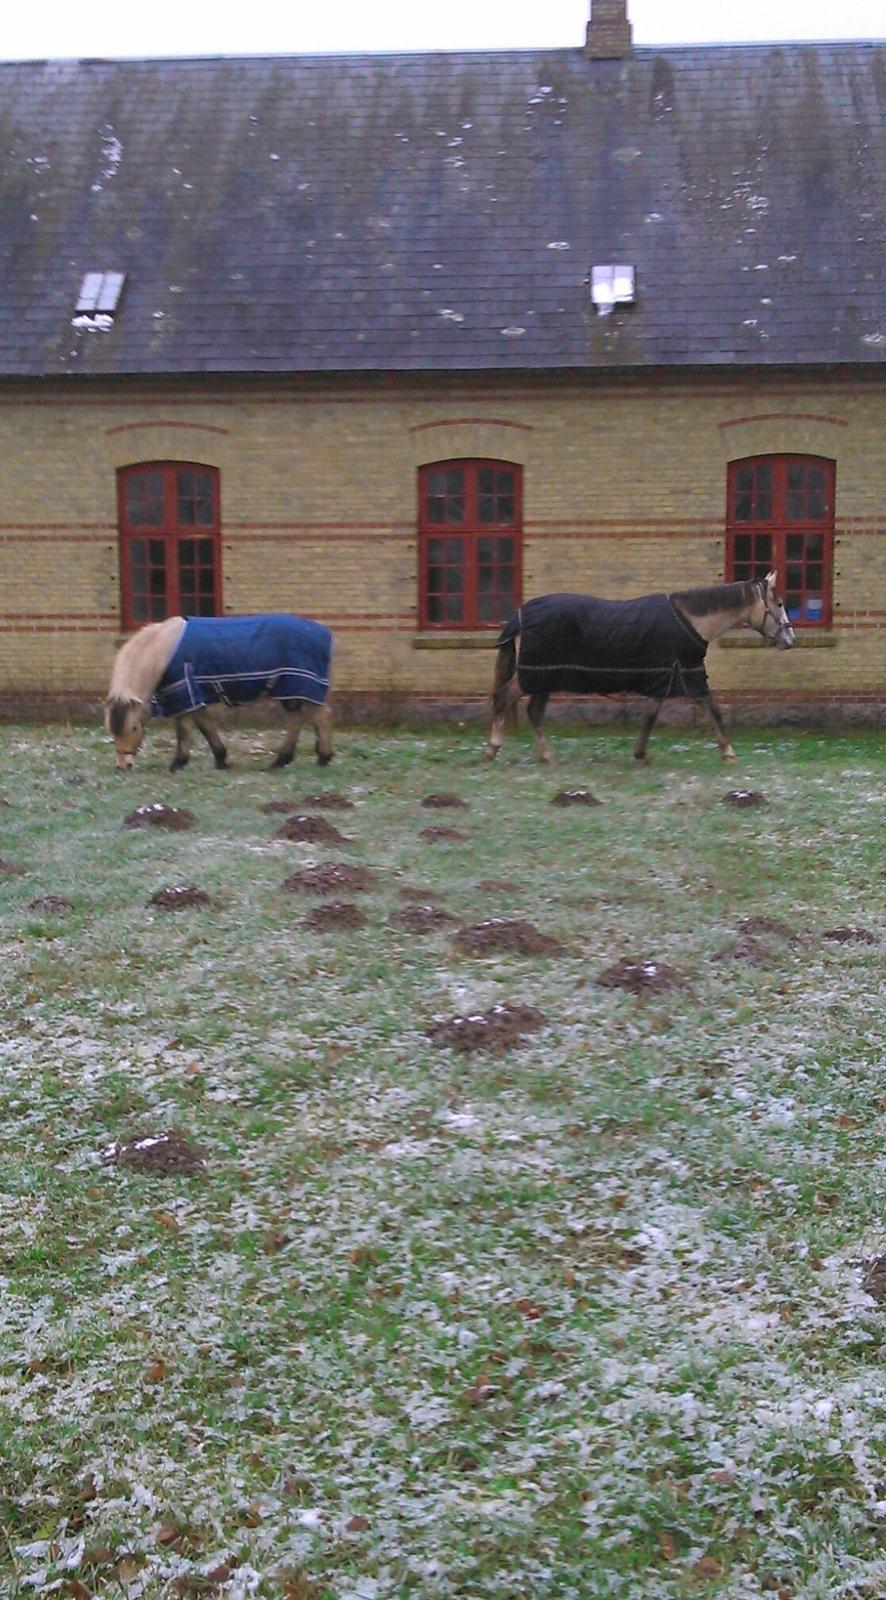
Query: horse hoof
{"points": [[491, 752], [323, 761], [730, 757], [642, 759]]}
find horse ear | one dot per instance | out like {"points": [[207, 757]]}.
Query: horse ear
{"points": [[771, 578]]}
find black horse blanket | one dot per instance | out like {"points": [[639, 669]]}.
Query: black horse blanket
{"points": [[575, 644], [237, 659]]}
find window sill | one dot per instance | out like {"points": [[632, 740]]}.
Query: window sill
{"points": [[481, 640], [803, 639]]}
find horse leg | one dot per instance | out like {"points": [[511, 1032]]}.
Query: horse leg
{"points": [[716, 716], [292, 712], [646, 727], [322, 719], [206, 723], [536, 713], [183, 727]]}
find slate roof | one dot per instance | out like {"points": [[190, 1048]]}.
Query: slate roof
{"points": [[431, 212]]}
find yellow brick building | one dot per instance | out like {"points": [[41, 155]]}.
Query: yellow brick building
{"points": [[443, 308]]}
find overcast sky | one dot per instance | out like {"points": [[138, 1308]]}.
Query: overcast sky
{"points": [[55, 28]]}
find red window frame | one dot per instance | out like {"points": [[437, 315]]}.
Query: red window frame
{"points": [[470, 535], [780, 517], [169, 519]]}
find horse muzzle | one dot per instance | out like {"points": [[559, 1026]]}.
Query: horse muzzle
{"points": [[125, 763]]}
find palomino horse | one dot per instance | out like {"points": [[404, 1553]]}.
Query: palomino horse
{"points": [[184, 667], [654, 646]]}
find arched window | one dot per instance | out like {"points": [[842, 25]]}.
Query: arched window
{"points": [[169, 523], [470, 524], [780, 517]]}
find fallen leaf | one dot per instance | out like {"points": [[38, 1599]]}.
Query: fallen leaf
{"points": [[667, 1544]]}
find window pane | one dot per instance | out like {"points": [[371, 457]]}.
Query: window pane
{"points": [[742, 547], [796, 475], [196, 576], [445, 495], [743, 507], [147, 579], [815, 508], [143, 499], [195, 498]]}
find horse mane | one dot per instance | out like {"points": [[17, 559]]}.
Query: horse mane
{"points": [[138, 667], [717, 597]]}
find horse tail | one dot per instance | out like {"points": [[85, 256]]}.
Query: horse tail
{"points": [[503, 704]]}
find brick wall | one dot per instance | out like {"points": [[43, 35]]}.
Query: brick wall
{"points": [[624, 491]]}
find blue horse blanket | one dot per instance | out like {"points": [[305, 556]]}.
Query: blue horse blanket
{"points": [[236, 659], [576, 644]]}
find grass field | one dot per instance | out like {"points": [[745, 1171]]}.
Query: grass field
{"points": [[583, 1318]]}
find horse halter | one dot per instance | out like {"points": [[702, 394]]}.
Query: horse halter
{"points": [[775, 627]]}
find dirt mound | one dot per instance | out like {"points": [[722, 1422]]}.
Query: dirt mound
{"points": [[440, 835], [8, 869], [421, 919], [310, 830], [506, 936], [54, 903], [640, 977], [850, 936], [497, 886], [743, 797], [157, 1154], [159, 816], [335, 914], [179, 898], [273, 808], [444, 802], [329, 800], [502, 1027], [575, 797], [874, 1280], [754, 925], [413, 891], [749, 949], [328, 877]]}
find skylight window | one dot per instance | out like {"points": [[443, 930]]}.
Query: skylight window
{"points": [[100, 293], [612, 286]]}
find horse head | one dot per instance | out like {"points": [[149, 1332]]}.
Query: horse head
{"points": [[768, 615], [125, 722]]}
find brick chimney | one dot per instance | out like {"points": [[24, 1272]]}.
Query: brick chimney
{"points": [[609, 32]]}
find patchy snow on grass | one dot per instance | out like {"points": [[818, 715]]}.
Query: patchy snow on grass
{"points": [[585, 1318]]}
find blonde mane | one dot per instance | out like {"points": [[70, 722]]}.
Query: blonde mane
{"points": [[140, 664]]}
